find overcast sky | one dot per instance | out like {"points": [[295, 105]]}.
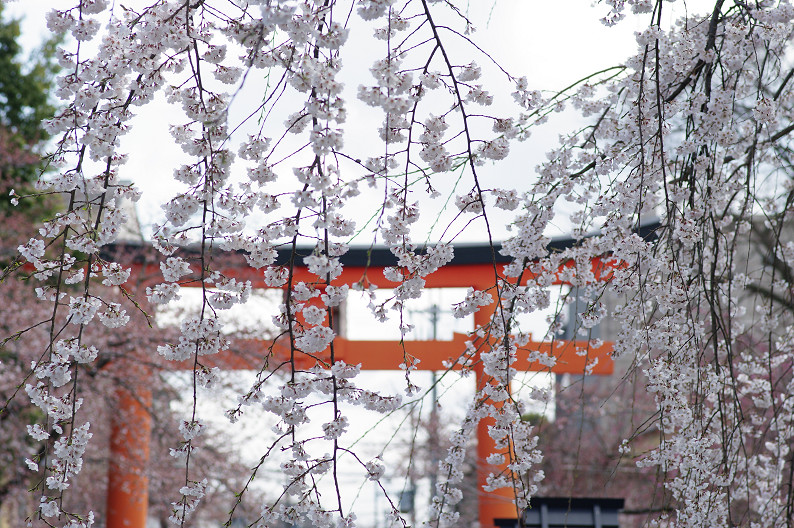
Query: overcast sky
{"points": [[552, 43]]}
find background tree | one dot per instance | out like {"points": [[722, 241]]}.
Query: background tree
{"points": [[25, 102]]}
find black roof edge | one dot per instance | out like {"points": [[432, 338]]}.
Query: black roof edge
{"points": [[379, 256]]}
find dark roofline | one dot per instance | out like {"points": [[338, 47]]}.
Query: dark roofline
{"points": [[379, 256]]}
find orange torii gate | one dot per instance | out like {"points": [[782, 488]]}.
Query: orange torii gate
{"points": [[473, 266]]}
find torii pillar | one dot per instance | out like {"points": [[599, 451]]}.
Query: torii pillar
{"points": [[131, 427], [497, 504]]}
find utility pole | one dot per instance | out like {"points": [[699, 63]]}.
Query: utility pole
{"points": [[432, 437]]}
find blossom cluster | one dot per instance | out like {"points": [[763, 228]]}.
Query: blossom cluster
{"points": [[690, 133]]}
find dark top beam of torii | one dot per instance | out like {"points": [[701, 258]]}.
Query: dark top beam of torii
{"points": [[476, 257], [472, 266]]}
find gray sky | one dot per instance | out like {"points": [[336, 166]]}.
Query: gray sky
{"points": [[552, 43]]}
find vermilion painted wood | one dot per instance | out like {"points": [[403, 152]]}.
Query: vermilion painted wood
{"points": [[128, 484], [497, 504], [478, 275], [128, 493], [571, 357]]}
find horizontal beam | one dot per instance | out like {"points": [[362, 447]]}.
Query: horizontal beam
{"points": [[566, 357], [477, 275], [473, 265]]}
